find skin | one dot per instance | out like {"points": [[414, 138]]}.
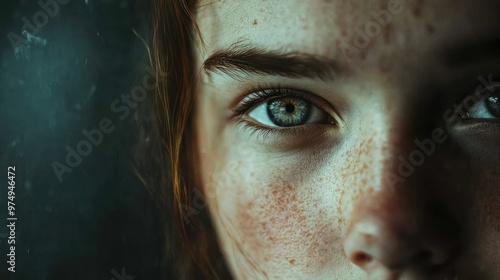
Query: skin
{"points": [[330, 201]]}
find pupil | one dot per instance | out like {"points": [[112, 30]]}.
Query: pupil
{"points": [[289, 108]]}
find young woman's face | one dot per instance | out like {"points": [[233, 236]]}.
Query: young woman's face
{"points": [[352, 139]]}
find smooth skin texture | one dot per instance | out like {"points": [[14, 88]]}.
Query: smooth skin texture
{"points": [[330, 198]]}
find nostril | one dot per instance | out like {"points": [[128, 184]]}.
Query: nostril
{"points": [[361, 258]]}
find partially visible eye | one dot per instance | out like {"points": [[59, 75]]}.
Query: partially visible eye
{"points": [[486, 108], [288, 111]]}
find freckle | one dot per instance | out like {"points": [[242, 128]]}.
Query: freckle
{"points": [[254, 22], [417, 7], [292, 261], [430, 28]]}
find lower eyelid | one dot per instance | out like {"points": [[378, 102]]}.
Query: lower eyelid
{"points": [[264, 132]]}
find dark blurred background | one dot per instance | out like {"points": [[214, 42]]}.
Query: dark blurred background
{"points": [[56, 79]]}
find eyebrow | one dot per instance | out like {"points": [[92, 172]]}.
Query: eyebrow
{"points": [[244, 59]]}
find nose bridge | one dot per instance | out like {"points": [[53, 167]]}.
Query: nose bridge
{"points": [[384, 151], [389, 226], [391, 211], [395, 159]]}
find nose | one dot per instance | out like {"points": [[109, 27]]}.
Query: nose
{"points": [[400, 235]]}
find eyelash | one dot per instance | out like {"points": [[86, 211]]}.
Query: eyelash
{"points": [[265, 132], [466, 95], [259, 94]]}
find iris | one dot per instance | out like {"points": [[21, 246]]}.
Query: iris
{"points": [[288, 111], [493, 105]]}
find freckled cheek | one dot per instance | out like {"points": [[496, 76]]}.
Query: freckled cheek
{"points": [[285, 227], [487, 214], [285, 219]]}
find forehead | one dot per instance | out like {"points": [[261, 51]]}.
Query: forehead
{"points": [[327, 27]]}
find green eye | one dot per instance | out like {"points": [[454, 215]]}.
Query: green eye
{"points": [[288, 111], [493, 105], [487, 108]]}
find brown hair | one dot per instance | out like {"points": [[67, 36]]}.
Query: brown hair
{"points": [[190, 242]]}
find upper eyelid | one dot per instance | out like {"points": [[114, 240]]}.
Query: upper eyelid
{"points": [[475, 92], [287, 93], [266, 93], [462, 115], [461, 86]]}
